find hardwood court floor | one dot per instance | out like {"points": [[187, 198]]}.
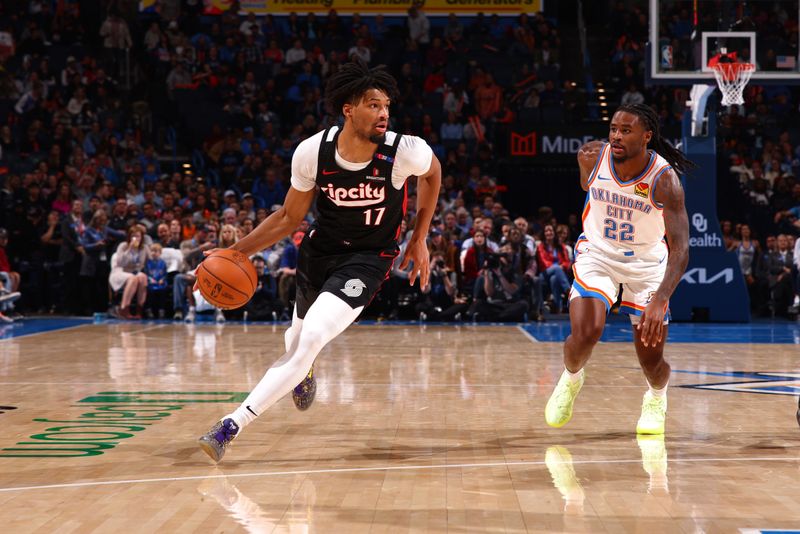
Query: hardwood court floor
{"points": [[415, 428]]}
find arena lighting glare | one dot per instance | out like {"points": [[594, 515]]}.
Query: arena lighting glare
{"points": [[187, 165]]}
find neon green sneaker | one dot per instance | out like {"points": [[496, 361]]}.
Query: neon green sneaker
{"points": [[654, 414], [558, 411]]}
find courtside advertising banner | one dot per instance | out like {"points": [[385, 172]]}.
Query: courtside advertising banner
{"points": [[374, 7]]}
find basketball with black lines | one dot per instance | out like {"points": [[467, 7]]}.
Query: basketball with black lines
{"points": [[227, 279]]}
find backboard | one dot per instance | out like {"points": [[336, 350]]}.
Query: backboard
{"points": [[684, 34]]}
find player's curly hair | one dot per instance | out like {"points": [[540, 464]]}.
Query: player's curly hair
{"points": [[674, 157], [353, 79]]}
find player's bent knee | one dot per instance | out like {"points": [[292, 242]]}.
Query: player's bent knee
{"points": [[313, 340], [587, 333]]}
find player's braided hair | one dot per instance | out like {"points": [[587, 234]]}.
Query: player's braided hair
{"points": [[674, 157], [355, 78]]}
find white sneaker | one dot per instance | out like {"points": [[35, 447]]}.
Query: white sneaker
{"points": [[189, 317], [219, 317], [9, 297]]}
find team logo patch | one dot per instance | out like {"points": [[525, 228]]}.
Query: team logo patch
{"points": [[353, 287], [642, 190]]}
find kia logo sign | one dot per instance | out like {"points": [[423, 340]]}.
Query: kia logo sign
{"points": [[699, 275]]}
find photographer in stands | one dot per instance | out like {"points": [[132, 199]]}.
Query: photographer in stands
{"points": [[498, 290], [440, 300]]}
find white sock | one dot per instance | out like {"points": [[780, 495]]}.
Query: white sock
{"points": [[326, 319], [574, 377], [659, 392]]}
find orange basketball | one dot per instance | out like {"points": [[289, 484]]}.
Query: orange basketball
{"points": [[227, 279]]}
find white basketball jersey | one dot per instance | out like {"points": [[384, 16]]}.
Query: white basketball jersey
{"points": [[622, 218]]}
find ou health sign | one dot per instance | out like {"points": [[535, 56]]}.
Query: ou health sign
{"points": [[712, 287]]}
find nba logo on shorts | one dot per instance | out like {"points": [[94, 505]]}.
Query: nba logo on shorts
{"points": [[666, 57]]}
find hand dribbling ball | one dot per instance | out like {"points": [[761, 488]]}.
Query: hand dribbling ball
{"points": [[227, 279]]}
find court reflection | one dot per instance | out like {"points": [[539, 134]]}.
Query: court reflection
{"points": [[253, 517], [559, 462], [654, 462]]}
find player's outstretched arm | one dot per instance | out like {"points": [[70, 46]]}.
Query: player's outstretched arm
{"points": [[417, 250], [587, 158], [669, 192], [279, 224]]}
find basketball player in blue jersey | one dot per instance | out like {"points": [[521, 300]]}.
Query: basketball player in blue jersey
{"points": [[361, 172], [634, 198]]}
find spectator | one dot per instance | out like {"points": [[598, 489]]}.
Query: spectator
{"points": [[779, 265], [265, 304], [127, 273], [70, 256], [269, 191], [361, 51], [419, 27], [178, 78], [488, 98], [95, 267], [439, 298], [11, 277], [554, 264], [192, 249], [749, 253], [156, 271], [9, 283], [632, 96], [287, 282], [498, 290], [439, 243], [296, 54]]}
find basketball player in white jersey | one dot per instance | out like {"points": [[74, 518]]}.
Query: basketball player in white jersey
{"points": [[361, 173], [634, 198]]}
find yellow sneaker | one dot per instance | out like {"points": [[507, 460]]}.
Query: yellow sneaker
{"points": [[654, 461], [559, 462], [654, 415], [558, 411]]}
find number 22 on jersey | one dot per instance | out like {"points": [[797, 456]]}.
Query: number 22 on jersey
{"points": [[622, 232]]}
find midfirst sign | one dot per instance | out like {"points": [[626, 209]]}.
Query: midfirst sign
{"points": [[550, 143]]}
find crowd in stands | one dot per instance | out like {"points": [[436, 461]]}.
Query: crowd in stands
{"points": [[97, 214]]}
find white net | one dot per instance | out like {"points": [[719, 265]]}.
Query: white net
{"points": [[732, 79]]}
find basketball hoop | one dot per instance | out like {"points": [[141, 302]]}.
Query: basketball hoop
{"points": [[732, 79]]}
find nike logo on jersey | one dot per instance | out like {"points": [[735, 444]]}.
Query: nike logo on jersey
{"points": [[326, 172], [363, 195], [602, 178]]}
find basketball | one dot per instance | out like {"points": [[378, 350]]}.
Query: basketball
{"points": [[227, 279]]}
